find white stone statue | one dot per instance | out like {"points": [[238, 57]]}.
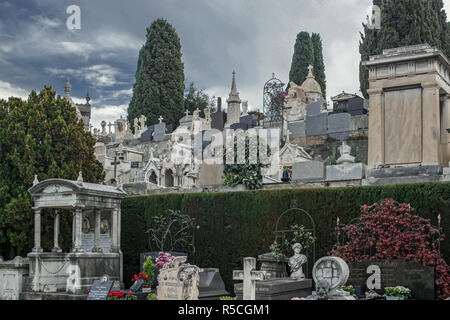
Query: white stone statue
{"points": [[296, 263], [345, 150]]}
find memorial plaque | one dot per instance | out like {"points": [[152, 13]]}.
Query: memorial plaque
{"points": [[137, 286], [87, 242], [100, 289], [379, 274], [178, 281]]}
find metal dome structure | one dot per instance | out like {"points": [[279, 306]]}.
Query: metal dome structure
{"points": [[273, 101]]}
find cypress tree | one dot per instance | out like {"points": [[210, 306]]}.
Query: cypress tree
{"points": [[404, 23], [159, 87], [302, 58], [319, 66]]}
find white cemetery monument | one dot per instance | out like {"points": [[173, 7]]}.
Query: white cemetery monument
{"points": [[95, 237]]}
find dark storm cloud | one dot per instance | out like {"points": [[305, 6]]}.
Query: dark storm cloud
{"points": [[253, 37]]}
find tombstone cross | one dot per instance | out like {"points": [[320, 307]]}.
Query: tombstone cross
{"points": [[187, 113], [249, 275], [160, 119]]}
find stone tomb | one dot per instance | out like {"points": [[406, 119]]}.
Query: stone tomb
{"points": [[160, 131], [317, 125], [11, 275], [178, 281], [339, 126], [308, 171], [379, 274]]}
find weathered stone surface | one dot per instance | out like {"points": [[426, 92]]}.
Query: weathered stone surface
{"points": [[278, 289], [446, 171], [178, 281], [211, 285], [11, 277], [211, 175], [248, 120], [276, 267], [317, 125], [297, 129], [404, 171], [412, 275], [339, 126], [351, 171], [308, 171], [159, 131]]}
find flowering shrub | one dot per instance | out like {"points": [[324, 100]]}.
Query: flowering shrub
{"points": [[275, 249], [163, 259], [298, 298], [149, 272], [399, 292], [299, 235], [121, 295], [390, 231]]}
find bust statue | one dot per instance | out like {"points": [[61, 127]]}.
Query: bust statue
{"points": [[296, 262], [345, 158]]}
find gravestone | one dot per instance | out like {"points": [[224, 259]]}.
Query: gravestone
{"points": [[249, 276], [248, 120], [100, 289], [178, 281], [211, 285], [308, 171], [160, 132], [145, 255], [317, 125], [297, 129], [379, 274], [314, 109], [237, 126], [12, 276], [339, 126], [137, 286], [147, 135], [349, 171]]}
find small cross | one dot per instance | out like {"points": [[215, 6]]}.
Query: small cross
{"points": [[160, 119], [249, 275], [187, 113]]}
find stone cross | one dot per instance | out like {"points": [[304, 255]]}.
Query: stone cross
{"points": [[187, 113], [310, 70], [250, 275], [160, 119]]}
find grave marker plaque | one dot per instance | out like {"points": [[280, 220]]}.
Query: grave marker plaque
{"points": [[100, 289]]}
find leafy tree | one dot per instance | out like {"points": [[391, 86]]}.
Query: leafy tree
{"points": [[42, 136], [404, 23], [198, 99], [319, 65], [302, 58], [159, 86]]}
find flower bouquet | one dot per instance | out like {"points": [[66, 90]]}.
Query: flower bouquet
{"points": [[121, 295], [397, 293]]}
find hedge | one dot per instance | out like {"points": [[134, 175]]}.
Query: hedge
{"points": [[234, 225]]}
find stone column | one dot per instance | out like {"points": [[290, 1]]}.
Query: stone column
{"points": [[431, 124], [119, 227], [78, 218], [37, 230], [56, 247], [376, 128], [445, 134], [97, 214], [114, 242]]}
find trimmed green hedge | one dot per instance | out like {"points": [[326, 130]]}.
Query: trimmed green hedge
{"points": [[241, 224]]}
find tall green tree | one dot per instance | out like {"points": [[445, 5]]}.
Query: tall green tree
{"points": [[42, 136], [302, 58], [404, 23], [319, 65], [196, 98], [159, 87]]}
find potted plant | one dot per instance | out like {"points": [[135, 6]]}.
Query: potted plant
{"points": [[148, 271], [397, 293], [121, 295], [350, 289]]}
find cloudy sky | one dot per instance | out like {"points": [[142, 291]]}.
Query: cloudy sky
{"points": [[254, 37]]}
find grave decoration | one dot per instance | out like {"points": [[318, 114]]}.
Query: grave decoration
{"points": [[330, 275], [397, 293], [396, 247], [121, 295]]}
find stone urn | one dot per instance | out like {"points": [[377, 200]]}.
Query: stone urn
{"points": [[276, 267]]}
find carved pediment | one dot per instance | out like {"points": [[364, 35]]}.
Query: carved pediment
{"points": [[56, 188]]}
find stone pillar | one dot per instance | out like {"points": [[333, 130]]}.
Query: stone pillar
{"points": [[37, 231], [119, 227], [78, 229], [445, 141], [430, 124], [97, 214], [56, 247], [114, 242], [376, 129]]}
